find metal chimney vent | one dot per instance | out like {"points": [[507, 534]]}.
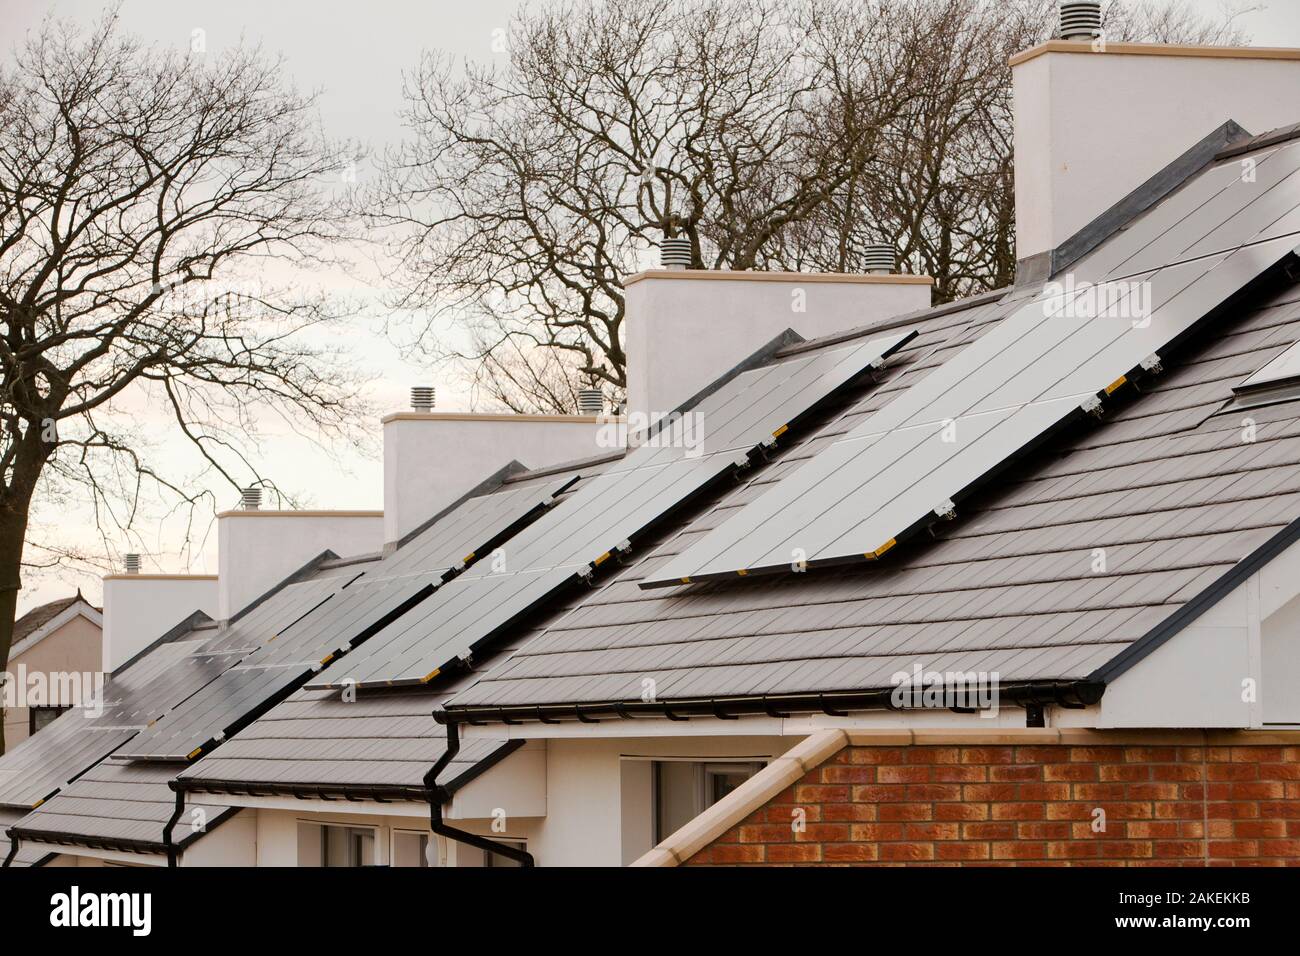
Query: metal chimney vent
{"points": [[591, 401], [880, 260], [423, 398], [675, 253], [252, 499], [133, 563], [1080, 20]]}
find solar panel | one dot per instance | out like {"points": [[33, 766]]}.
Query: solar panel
{"points": [[44, 762], [1045, 364], [609, 513], [315, 621]]}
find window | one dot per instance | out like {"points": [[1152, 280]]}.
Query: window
{"points": [[1278, 381], [337, 846], [496, 859], [410, 848], [38, 718], [685, 789]]}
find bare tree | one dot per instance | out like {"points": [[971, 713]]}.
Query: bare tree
{"points": [[152, 206], [771, 134], [526, 194]]}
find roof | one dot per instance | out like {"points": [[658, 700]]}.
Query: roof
{"points": [[1162, 482], [118, 806], [27, 855], [104, 782], [315, 744], [381, 744], [40, 622]]}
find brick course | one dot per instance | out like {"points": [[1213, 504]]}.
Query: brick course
{"points": [[962, 805]]}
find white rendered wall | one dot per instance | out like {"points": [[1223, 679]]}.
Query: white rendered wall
{"points": [[686, 328], [433, 458], [233, 843], [277, 832], [1237, 666], [585, 782], [1090, 127], [256, 550], [140, 608]]}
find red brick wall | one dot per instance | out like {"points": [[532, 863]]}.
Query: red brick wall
{"points": [[1017, 805]]}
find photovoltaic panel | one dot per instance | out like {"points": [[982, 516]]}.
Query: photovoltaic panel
{"points": [[312, 622], [211, 713], [80, 738], [1056, 356], [604, 517]]}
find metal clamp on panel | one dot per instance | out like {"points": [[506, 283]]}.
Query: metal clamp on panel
{"points": [[1092, 405], [1152, 364], [946, 510]]}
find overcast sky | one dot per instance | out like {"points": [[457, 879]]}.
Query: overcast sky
{"points": [[354, 53]]}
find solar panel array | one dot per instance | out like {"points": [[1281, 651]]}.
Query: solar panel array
{"points": [[604, 517], [46, 761], [282, 648], [1057, 356]]}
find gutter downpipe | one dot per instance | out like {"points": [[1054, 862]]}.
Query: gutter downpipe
{"points": [[172, 849], [13, 852], [438, 795]]}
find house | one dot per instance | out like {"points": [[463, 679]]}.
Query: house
{"points": [[1010, 580], [61, 637]]}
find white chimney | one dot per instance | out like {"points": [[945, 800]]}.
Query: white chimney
{"points": [[140, 608], [433, 458], [685, 328], [1094, 120], [257, 549]]}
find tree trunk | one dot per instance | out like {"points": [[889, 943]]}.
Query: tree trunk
{"points": [[13, 531]]}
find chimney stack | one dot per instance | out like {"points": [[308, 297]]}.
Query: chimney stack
{"points": [[1094, 119], [687, 327]]}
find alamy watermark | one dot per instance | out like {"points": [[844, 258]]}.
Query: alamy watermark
{"points": [[1072, 299], [920, 689], [80, 689], [683, 430]]}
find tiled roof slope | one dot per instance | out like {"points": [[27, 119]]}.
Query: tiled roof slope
{"points": [[38, 617], [28, 855], [119, 806], [1167, 488], [316, 744]]}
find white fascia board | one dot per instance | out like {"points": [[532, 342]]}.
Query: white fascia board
{"points": [[397, 808], [755, 726]]}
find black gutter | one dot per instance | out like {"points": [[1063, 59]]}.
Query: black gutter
{"points": [[439, 794], [122, 844], [1072, 694], [352, 793], [13, 851]]}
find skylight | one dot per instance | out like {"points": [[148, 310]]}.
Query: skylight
{"points": [[1282, 370], [1278, 381]]}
